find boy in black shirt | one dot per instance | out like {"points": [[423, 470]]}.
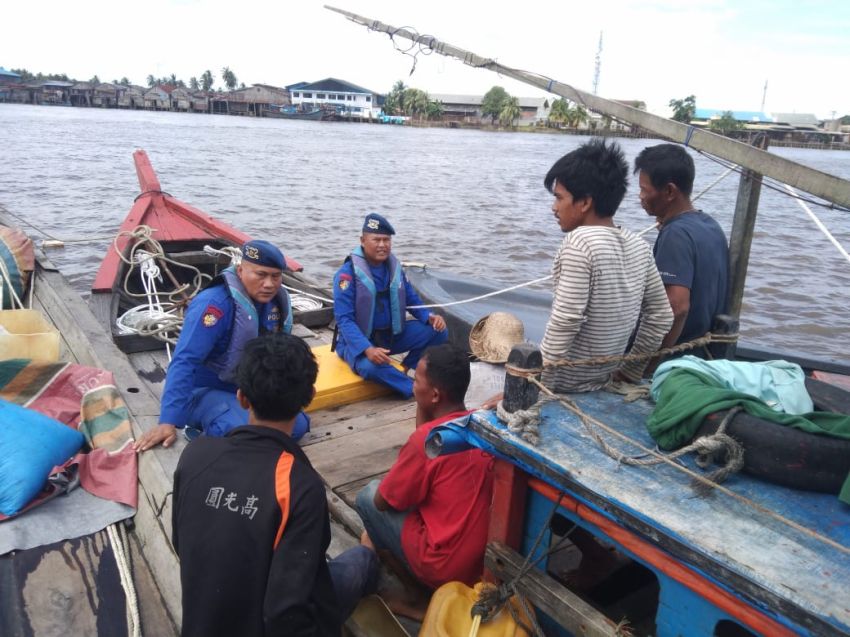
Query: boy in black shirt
{"points": [[250, 519]]}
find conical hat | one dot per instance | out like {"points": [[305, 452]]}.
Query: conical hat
{"points": [[493, 336]]}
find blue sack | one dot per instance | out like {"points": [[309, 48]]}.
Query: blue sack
{"points": [[31, 444]]}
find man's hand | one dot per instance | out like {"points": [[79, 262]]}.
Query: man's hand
{"points": [[437, 322], [163, 433], [493, 401], [378, 355]]}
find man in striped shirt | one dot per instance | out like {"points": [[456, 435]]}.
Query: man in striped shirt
{"points": [[604, 276]]}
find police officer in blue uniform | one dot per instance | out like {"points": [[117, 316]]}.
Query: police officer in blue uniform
{"points": [[240, 304], [371, 296]]}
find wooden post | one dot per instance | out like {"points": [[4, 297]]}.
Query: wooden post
{"points": [[519, 393], [723, 324], [741, 237]]}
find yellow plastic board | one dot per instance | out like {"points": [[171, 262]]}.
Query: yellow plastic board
{"points": [[337, 385], [27, 334]]}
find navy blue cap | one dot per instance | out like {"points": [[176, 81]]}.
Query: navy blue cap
{"points": [[376, 224], [263, 253]]}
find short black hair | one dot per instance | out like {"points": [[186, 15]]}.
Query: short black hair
{"points": [[597, 169], [667, 164], [447, 367], [277, 374]]}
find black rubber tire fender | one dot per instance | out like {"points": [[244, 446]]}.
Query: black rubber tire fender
{"points": [[788, 456]]}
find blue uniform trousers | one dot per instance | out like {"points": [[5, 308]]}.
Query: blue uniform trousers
{"points": [[216, 412], [414, 339]]}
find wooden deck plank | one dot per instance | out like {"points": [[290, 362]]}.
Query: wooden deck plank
{"points": [[65, 352], [359, 455], [348, 492], [325, 426], [355, 410]]}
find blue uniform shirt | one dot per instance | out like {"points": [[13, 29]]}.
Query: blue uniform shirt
{"points": [[205, 334], [691, 251], [355, 341]]}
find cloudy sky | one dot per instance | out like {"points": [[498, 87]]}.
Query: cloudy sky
{"points": [[721, 51]]}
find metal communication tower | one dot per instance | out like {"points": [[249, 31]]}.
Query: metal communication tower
{"points": [[598, 65]]}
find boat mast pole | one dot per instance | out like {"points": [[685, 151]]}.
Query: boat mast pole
{"points": [[741, 235], [813, 181]]}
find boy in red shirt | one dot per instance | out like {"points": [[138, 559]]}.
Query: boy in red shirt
{"points": [[433, 514]]}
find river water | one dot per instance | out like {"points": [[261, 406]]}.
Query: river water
{"points": [[468, 201]]}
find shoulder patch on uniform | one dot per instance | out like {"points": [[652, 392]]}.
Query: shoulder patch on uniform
{"points": [[344, 281], [211, 315]]}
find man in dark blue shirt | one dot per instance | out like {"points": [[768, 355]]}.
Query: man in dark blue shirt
{"points": [[240, 304], [371, 298], [691, 251]]}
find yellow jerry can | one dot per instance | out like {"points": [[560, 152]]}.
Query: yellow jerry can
{"points": [[449, 614]]}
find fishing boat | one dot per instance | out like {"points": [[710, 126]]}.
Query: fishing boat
{"points": [[744, 557], [463, 301], [291, 112], [164, 241], [357, 427]]}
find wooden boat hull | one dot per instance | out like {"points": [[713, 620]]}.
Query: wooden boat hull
{"points": [[315, 115], [70, 587], [726, 559], [532, 307]]}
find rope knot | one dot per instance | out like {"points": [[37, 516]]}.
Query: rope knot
{"points": [[523, 422]]}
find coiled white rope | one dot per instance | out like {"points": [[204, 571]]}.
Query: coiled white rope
{"points": [[155, 318], [307, 294]]}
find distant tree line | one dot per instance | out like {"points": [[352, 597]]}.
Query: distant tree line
{"points": [[203, 83]]}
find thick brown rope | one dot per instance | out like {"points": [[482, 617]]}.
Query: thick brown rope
{"points": [[702, 341]]}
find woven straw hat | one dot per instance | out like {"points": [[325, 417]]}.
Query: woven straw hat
{"points": [[493, 336]]}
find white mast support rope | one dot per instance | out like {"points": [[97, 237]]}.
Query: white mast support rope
{"points": [[483, 296], [710, 186], [715, 182], [818, 222]]}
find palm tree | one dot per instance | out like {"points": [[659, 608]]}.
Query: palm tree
{"points": [[229, 78], [560, 111], [434, 110], [510, 112], [393, 105], [206, 80], [415, 102], [576, 116], [194, 84], [151, 81]]}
